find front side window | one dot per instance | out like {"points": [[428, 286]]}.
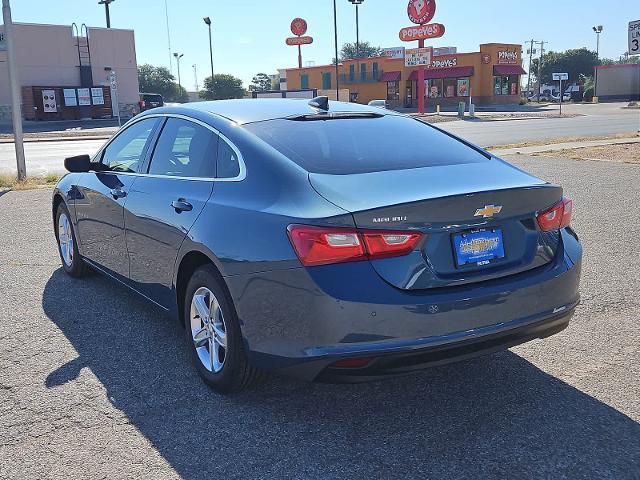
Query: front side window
{"points": [[185, 149], [125, 152]]}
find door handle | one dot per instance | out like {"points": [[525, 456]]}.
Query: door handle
{"points": [[118, 193], [181, 205]]}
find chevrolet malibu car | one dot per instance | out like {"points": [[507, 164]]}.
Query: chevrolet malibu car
{"points": [[328, 241]]}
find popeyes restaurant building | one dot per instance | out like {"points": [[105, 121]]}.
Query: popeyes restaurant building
{"points": [[491, 76]]}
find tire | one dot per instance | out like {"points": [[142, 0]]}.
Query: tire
{"points": [[71, 260], [227, 370]]}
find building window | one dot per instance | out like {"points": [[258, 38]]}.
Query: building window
{"points": [[375, 71], [352, 72], [363, 72], [449, 87], [304, 81], [433, 88], [462, 87], [506, 85], [326, 81], [393, 90]]}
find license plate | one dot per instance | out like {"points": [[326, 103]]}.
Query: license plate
{"points": [[477, 248]]}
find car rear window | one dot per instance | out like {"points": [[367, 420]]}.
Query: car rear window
{"points": [[343, 146], [153, 98]]}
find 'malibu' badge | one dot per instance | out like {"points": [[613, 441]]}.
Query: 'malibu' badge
{"points": [[421, 11]]}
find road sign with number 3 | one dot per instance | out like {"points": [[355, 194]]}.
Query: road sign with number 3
{"points": [[634, 38]]}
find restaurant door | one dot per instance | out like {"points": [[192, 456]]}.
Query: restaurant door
{"points": [[408, 102]]}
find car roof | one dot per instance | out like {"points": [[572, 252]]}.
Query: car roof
{"points": [[244, 111]]}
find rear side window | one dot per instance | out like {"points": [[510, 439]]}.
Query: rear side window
{"points": [[125, 152], [185, 149], [228, 162], [343, 146]]}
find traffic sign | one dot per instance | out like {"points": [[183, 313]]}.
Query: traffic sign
{"points": [[561, 76], [634, 38]]}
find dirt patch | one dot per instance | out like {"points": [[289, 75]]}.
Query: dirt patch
{"points": [[434, 118], [11, 182], [621, 152], [565, 140], [71, 133]]}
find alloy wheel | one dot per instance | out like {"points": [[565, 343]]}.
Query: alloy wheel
{"points": [[65, 239], [208, 329]]}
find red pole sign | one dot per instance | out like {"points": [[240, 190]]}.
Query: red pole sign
{"points": [[422, 32], [421, 11], [299, 28]]}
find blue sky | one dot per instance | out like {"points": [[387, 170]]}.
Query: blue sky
{"points": [[249, 35]]}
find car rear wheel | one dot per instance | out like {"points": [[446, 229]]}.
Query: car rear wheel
{"points": [[67, 246], [214, 335]]}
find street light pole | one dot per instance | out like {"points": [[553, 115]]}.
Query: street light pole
{"points": [[106, 10], [598, 31], [207, 20], [14, 86], [195, 76], [178, 57], [335, 29], [356, 3]]}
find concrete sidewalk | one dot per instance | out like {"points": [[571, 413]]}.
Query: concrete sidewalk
{"points": [[554, 147]]}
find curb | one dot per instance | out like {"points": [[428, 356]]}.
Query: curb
{"points": [[58, 139], [556, 147]]}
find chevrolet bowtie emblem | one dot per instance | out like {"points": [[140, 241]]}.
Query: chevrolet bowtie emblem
{"points": [[488, 211]]}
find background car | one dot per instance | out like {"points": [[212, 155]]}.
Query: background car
{"points": [[149, 101], [378, 103], [320, 240]]}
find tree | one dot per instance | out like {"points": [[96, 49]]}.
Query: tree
{"points": [[364, 50], [222, 87], [159, 80], [275, 83], [260, 83], [576, 62]]}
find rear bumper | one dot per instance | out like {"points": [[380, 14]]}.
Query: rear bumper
{"points": [[300, 321]]}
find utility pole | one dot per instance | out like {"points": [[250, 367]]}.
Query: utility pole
{"points": [[357, 3], [166, 14], [335, 30], [106, 10], [14, 86], [195, 76], [598, 31], [530, 59], [540, 69]]}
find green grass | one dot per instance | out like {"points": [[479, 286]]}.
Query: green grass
{"points": [[11, 181]]}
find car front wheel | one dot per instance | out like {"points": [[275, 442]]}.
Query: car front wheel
{"points": [[213, 333], [67, 244]]}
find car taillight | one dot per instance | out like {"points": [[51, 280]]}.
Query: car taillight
{"points": [[326, 245], [556, 217], [142, 104]]}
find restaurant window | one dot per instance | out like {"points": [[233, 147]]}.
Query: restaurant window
{"points": [[374, 73], [326, 81], [449, 87], [352, 72], [304, 81], [462, 87], [393, 90], [506, 85], [434, 88], [363, 72]]}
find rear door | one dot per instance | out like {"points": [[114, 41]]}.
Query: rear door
{"points": [[103, 194], [165, 202]]}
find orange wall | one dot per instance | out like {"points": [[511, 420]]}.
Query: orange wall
{"points": [[481, 82]]}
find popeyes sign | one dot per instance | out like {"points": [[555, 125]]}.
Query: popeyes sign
{"points": [[421, 11], [508, 57], [422, 32]]}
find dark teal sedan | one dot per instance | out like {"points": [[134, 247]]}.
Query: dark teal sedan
{"points": [[325, 240]]}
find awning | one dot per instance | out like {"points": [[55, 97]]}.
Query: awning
{"points": [[390, 77], [508, 70], [451, 72]]}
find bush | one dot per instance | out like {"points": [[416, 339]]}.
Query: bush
{"points": [[587, 96]]}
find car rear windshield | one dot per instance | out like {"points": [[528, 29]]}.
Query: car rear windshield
{"points": [[348, 145], [153, 98]]}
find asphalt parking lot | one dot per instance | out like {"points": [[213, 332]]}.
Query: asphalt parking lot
{"points": [[96, 383]]}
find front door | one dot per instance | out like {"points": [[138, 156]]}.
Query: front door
{"points": [[164, 204], [409, 94], [103, 194]]}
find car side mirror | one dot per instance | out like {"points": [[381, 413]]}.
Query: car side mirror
{"points": [[79, 163]]}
